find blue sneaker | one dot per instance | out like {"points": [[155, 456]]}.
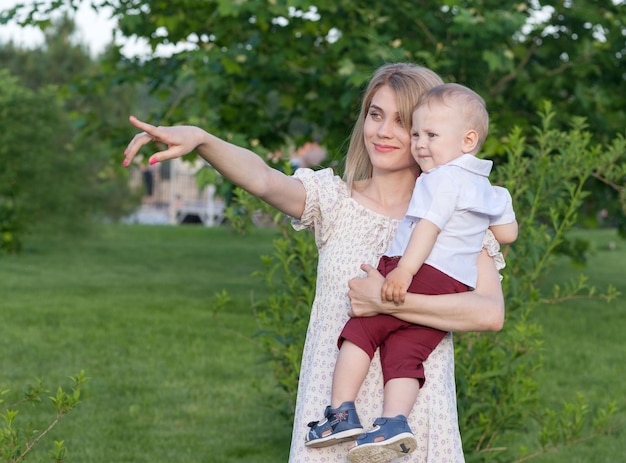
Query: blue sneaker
{"points": [[340, 424], [391, 438]]}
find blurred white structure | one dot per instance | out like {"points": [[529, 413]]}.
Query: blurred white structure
{"points": [[172, 196]]}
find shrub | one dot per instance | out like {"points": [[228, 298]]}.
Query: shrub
{"points": [[546, 174]]}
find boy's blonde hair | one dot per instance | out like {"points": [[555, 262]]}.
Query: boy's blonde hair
{"points": [[408, 82], [469, 103]]}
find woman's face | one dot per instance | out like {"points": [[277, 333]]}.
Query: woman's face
{"points": [[387, 140]]}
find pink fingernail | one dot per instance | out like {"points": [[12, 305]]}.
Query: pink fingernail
{"points": [[153, 161], [125, 152], [126, 162]]}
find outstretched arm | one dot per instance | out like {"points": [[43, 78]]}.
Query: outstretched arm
{"points": [[478, 310], [241, 166]]}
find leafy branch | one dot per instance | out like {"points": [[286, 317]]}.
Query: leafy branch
{"points": [[17, 441]]}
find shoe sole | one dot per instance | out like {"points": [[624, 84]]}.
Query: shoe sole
{"points": [[384, 451], [334, 439]]}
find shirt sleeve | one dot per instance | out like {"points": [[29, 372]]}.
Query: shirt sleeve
{"points": [[434, 198], [508, 214]]}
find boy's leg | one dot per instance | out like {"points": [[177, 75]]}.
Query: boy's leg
{"points": [[401, 357], [405, 350], [341, 422], [357, 343], [350, 371], [400, 395]]}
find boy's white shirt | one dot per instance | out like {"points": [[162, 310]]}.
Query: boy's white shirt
{"points": [[460, 200]]}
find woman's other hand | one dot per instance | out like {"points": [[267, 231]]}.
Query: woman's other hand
{"points": [[365, 293]]}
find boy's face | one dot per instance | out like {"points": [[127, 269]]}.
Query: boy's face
{"points": [[437, 135]]}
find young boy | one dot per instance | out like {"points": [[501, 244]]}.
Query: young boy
{"points": [[452, 206]]}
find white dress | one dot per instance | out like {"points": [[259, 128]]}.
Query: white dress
{"points": [[348, 235]]}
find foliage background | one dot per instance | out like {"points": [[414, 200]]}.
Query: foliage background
{"points": [[237, 78]]}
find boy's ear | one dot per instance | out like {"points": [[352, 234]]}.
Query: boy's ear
{"points": [[470, 141]]}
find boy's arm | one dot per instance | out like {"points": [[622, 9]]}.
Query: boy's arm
{"points": [[505, 233], [504, 227], [420, 245]]}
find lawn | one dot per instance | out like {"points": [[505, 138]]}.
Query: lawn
{"points": [[585, 351], [172, 382]]}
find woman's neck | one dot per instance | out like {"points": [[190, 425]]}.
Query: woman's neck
{"points": [[387, 194]]}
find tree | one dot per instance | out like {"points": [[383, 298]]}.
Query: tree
{"points": [[237, 62], [265, 73], [49, 104]]}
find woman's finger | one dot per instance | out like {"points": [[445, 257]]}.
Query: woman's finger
{"points": [[148, 128], [147, 135], [134, 146], [367, 268], [171, 152]]}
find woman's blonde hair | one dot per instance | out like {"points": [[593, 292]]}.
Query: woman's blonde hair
{"points": [[408, 82]]}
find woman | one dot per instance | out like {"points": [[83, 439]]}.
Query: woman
{"points": [[354, 221]]}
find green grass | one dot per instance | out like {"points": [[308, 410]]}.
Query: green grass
{"points": [[585, 351], [170, 382]]}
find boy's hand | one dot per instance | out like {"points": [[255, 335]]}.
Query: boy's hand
{"points": [[395, 285]]}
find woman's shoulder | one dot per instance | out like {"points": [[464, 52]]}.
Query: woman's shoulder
{"points": [[326, 173], [325, 180]]}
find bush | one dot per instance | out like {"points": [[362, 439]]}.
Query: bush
{"points": [[496, 387]]}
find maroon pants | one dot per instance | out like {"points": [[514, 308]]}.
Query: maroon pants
{"points": [[403, 346]]}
